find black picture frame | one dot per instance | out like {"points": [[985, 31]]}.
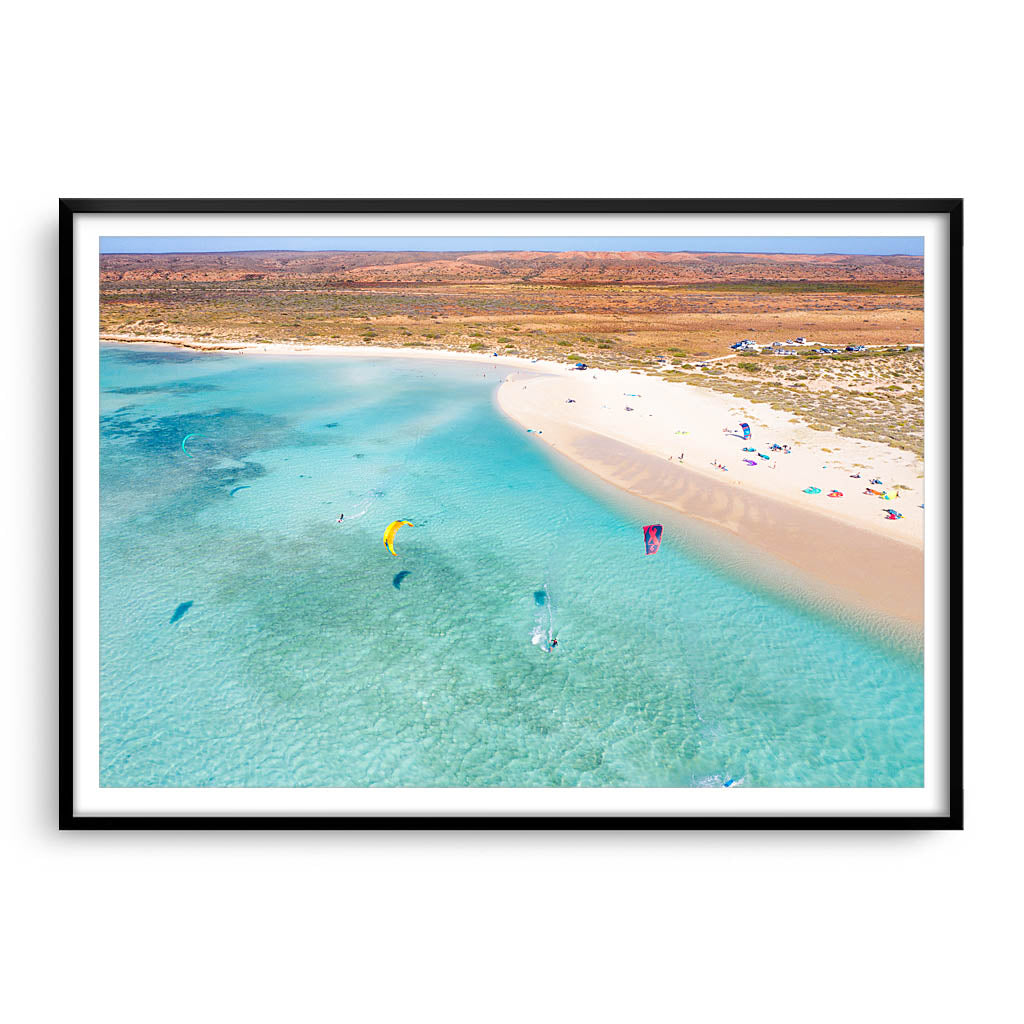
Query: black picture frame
{"points": [[952, 818]]}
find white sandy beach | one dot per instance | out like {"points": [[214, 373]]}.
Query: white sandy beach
{"points": [[669, 419], [843, 544]]}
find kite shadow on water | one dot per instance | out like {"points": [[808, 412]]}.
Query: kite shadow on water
{"points": [[179, 612], [399, 577], [235, 490]]}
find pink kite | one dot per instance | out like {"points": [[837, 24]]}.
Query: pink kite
{"points": [[652, 538]]}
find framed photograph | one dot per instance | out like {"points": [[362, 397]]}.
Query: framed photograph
{"points": [[511, 513]]}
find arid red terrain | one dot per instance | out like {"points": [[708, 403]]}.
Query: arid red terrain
{"points": [[508, 267]]}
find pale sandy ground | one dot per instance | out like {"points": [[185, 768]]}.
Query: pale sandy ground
{"points": [[844, 545]]}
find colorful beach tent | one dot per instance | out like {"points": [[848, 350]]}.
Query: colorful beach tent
{"points": [[652, 538], [389, 534]]}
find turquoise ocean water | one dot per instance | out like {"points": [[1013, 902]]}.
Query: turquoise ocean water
{"points": [[248, 639]]}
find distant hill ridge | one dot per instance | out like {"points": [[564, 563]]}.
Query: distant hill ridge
{"points": [[363, 268]]}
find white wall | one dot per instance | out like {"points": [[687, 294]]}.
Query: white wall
{"points": [[527, 99]]}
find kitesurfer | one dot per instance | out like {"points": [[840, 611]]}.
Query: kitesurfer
{"points": [[341, 515], [389, 534]]}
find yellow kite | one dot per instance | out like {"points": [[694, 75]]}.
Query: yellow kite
{"points": [[389, 534]]}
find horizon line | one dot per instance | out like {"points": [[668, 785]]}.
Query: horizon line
{"points": [[763, 245], [476, 252]]}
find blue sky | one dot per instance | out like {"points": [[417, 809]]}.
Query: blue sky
{"points": [[850, 245]]}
